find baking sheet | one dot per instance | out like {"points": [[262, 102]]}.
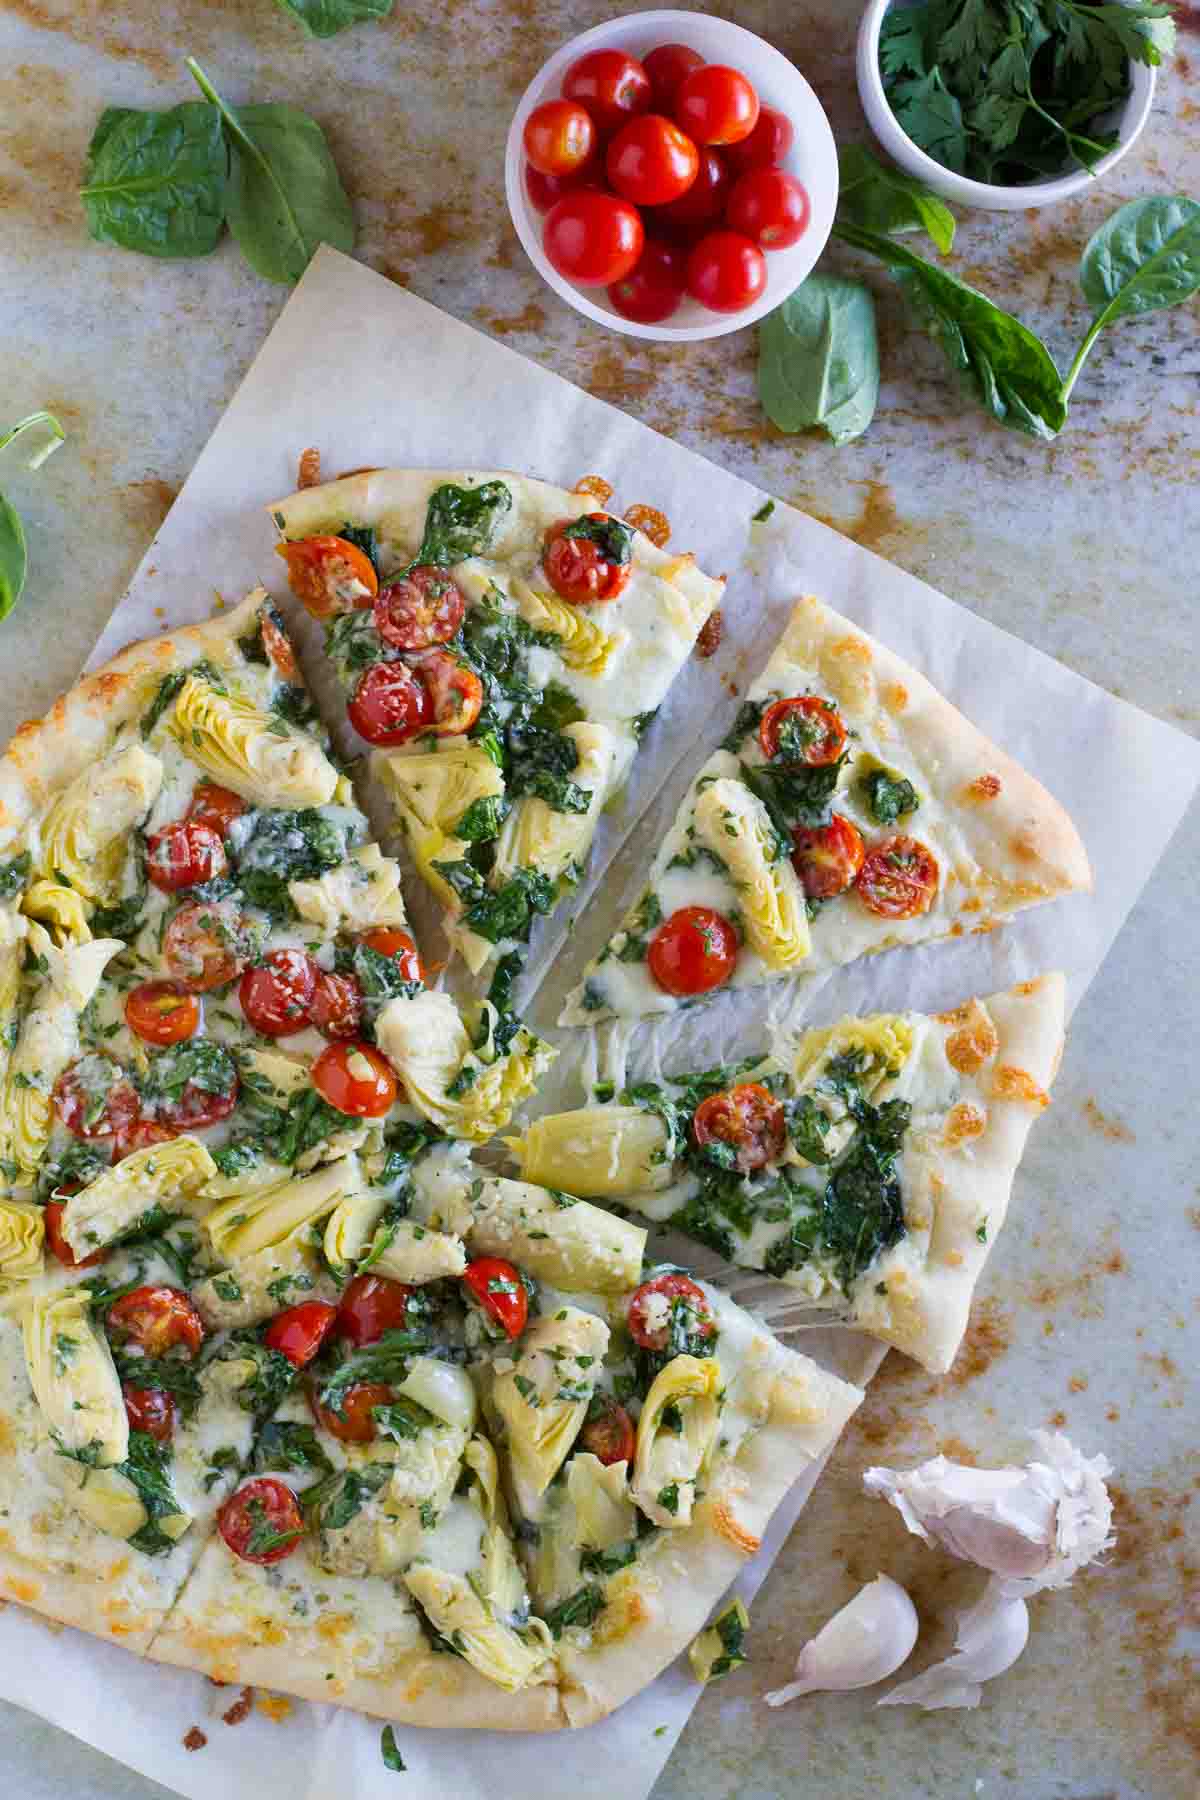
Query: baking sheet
{"points": [[413, 386]]}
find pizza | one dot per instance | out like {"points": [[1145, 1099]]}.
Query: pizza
{"points": [[503, 646], [849, 809], [870, 1171]]}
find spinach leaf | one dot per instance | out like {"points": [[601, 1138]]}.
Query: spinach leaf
{"points": [[198, 1062], [352, 644], [583, 1607], [14, 552], [556, 708], [881, 198], [540, 762], [173, 1375], [325, 18], [482, 820], [380, 977], [818, 359], [284, 196], [156, 180], [338, 1499], [1144, 258], [505, 912], [271, 1380], [386, 1359], [888, 797], [462, 522], [392, 1758], [799, 794], [14, 874], [287, 1444], [147, 1466], [614, 537], [808, 1128]]}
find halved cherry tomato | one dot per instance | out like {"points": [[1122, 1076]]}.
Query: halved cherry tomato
{"points": [[216, 806], [654, 289], [157, 1319], [767, 144], [423, 609], [390, 941], [667, 66], [354, 1424], [593, 238], [84, 1114], [329, 574], [337, 1005], [151, 1410], [899, 878], [276, 996], [609, 1432], [355, 1079], [827, 858], [143, 1134], [801, 732], [390, 704], [299, 1332], [204, 945], [650, 1309], [278, 646], [577, 568], [161, 1012], [52, 1214], [262, 1523], [716, 105], [559, 136], [372, 1305], [702, 204], [611, 85], [726, 272], [771, 207], [182, 854], [196, 1108], [749, 1119], [455, 693], [693, 952], [651, 161], [498, 1288]]}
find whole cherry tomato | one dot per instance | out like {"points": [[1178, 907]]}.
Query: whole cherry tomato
{"points": [[667, 66], [611, 85], [651, 1309], [390, 704], [183, 854], [299, 1332], [262, 1523], [354, 1423], [52, 1214], [161, 1012], [694, 951], [801, 732], [336, 1006], [216, 806], [372, 1305], [770, 207], [398, 947], [702, 205], [329, 574], [424, 608], [827, 858], [747, 1118], [578, 568], [650, 161], [545, 191], [653, 290], [157, 1319], [608, 1432], [899, 878], [767, 144], [356, 1079], [593, 238], [498, 1288], [276, 996], [151, 1410], [726, 272], [278, 646], [455, 693], [716, 105], [204, 945], [87, 1110], [559, 137]]}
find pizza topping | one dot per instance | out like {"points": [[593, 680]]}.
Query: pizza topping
{"points": [[299, 1332], [336, 1007], [356, 1079], [608, 1432], [671, 1312], [157, 1319], [693, 952], [205, 945], [278, 646], [827, 858], [216, 806], [455, 693], [499, 1290], [185, 854], [899, 878], [329, 574], [94, 1098], [262, 1522], [161, 1012], [370, 1306], [801, 732], [743, 1128], [277, 995], [151, 1410], [423, 609], [390, 704], [590, 559], [143, 1134], [52, 1214], [354, 1421]]}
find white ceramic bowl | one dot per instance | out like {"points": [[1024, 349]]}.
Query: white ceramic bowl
{"points": [[813, 160], [1128, 122]]}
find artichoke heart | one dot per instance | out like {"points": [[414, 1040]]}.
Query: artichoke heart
{"points": [[350, 1228], [356, 896], [721, 1647], [22, 1231], [536, 836], [882, 1045], [427, 1044], [244, 749], [73, 1377], [443, 1389], [257, 1286], [604, 1512], [247, 1223], [455, 1610], [413, 1253], [735, 825], [596, 1151], [168, 1175], [106, 1498], [582, 644], [676, 1431], [569, 1243], [544, 1398], [432, 790], [63, 911], [86, 831]]}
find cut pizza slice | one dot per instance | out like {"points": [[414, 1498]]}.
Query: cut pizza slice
{"points": [[502, 644], [872, 1172], [850, 809]]}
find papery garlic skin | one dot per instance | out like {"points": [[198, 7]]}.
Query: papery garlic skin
{"points": [[990, 1636], [1035, 1527], [863, 1643]]}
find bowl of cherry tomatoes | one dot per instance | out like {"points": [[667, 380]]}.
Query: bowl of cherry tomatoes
{"points": [[671, 175]]}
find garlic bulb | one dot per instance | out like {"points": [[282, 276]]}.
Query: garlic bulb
{"points": [[1034, 1527], [863, 1643], [989, 1638]]}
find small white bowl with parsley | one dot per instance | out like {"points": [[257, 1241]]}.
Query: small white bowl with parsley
{"points": [[1007, 106]]}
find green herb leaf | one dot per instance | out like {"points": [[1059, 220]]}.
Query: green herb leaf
{"points": [[818, 359], [931, 116], [325, 18], [392, 1758], [880, 198], [583, 1607], [1144, 258], [14, 552], [462, 522], [156, 180], [482, 819], [888, 797], [614, 537], [14, 874], [288, 1444]]}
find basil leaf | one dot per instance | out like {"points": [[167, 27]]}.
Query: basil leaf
{"points": [[325, 18], [284, 196], [818, 359], [156, 180], [880, 198]]}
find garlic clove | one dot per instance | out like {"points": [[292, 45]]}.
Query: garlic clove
{"points": [[863, 1643], [990, 1637]]}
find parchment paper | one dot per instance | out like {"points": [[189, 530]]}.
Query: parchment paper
{"points": [[412, 386]]}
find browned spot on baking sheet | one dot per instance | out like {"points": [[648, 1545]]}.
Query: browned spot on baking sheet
{"points": [[1106, 1125], [194, 1739], [1159, 1576], [615, 377], [241, 1707], [1078, 1384], [148, 502], [1058, 1420], [1082, 1286], [531, 317]]}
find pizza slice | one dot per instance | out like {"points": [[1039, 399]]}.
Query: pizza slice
{"points": [[502, 644], [871, 1172], [849, 809]]}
